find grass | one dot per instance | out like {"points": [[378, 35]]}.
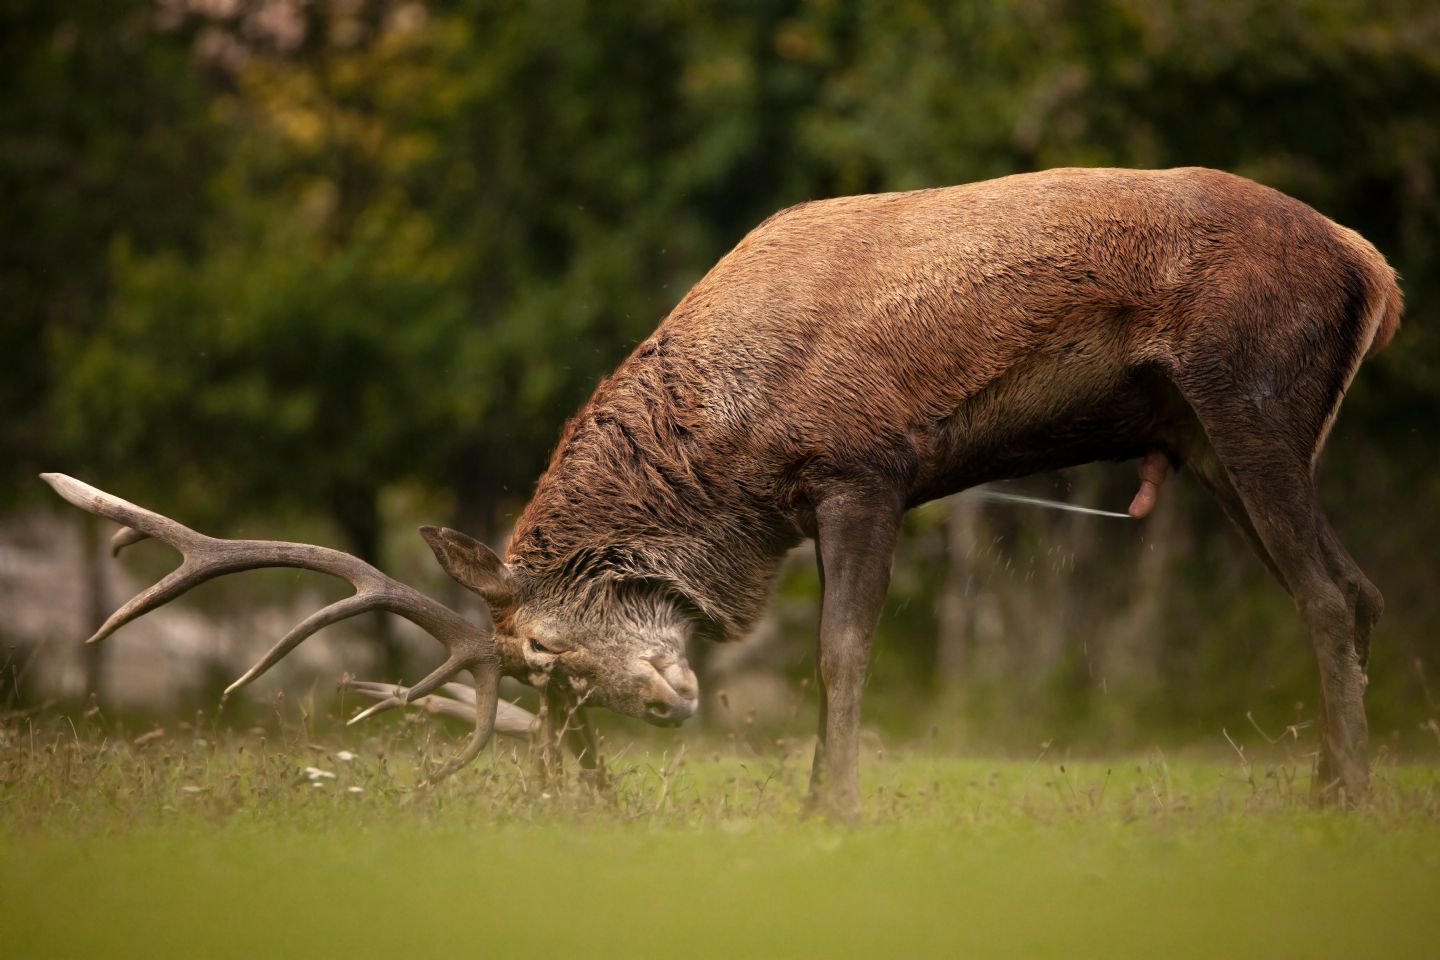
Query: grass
{"points": [[204, 843]]}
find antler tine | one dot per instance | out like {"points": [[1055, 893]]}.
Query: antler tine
{"points": [[458, 702], [487, 701], [461, 692], [340, 610], [173, 584], [206, 557], [144, 523], [123, 538]]}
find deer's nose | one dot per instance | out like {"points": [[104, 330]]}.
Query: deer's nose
{"points": [[675, 694]]}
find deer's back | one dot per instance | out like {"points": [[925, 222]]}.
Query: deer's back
{"points": [[897, 329]]}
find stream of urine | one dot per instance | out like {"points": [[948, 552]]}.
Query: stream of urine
{"points": [[998, 496]]}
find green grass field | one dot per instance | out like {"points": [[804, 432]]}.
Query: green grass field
{"points": [[215, 845]]}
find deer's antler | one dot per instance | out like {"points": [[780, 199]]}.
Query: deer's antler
{"points": [[457, 701], [204, 558]]}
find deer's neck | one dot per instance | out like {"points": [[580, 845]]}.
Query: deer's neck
{"points": [[632, 494]]}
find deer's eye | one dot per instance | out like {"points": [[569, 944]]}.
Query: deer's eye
{"points": [[539, 647]]}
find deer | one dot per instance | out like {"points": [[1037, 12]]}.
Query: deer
{"points": [[852, 358]]}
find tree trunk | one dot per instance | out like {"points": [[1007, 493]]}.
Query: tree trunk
{"points": [[93, 603], [477, 513], [357, 512], [1065, 630], [955, 647], [1138, 638]]}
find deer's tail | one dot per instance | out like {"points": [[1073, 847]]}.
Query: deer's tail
{"points": [[1386, 310]]}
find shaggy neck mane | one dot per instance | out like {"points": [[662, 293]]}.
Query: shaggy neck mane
{"points": [[638, 494]]}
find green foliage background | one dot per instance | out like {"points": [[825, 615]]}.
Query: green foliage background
{"points": [[297, 256]]}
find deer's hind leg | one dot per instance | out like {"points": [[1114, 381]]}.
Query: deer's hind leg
{"points": [[1258, 461]]}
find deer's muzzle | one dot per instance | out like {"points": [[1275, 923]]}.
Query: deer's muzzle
{"points": [[674, 692]]}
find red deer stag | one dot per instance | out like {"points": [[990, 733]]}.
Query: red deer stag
{"points": [[855, 357]]}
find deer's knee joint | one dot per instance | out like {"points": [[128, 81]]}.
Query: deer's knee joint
{"points": [[1369, 605], [1323, 607]]}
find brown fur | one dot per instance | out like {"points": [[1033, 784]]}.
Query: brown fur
{"points": [[901, 347]]}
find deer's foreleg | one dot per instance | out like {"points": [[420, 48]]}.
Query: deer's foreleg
{"points": [[855, 543], [565, 727], [582, 741], [546, 758]]}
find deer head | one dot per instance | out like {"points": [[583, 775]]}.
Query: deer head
{"points": [[618, 644]]}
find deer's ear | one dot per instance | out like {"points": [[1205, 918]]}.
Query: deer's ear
{"points": [[471, 563]]}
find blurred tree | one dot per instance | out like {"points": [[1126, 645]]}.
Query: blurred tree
{"points": [[100, 119]]}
